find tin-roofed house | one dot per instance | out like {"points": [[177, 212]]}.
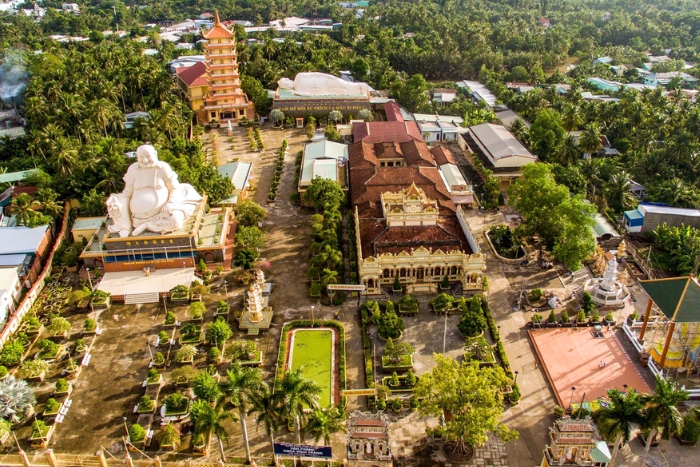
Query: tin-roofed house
{"points": [[240, 174], [323, 159]]}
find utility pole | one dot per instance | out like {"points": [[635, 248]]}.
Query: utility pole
{"points": [[116, 19]]}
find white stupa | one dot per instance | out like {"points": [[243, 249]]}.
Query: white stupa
{"points": [[607, 291]]}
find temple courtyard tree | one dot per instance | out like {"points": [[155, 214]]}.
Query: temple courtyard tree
{"points": [[562, 221], [471, 400], [617, 421]]}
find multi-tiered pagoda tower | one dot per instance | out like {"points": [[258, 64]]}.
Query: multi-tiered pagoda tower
{"points": [[225, 100]]}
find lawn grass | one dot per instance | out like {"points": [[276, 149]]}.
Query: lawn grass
{"points": [[311, 351]]}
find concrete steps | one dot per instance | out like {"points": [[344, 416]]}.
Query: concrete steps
{"points": [[141, 298]]}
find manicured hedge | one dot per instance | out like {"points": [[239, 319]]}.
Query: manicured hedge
{"points": [[493, 329]]}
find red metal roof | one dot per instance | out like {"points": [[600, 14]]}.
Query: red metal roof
{"points": [[386, 132], [195, 75], [393, 112]]}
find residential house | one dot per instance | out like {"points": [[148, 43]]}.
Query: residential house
{"points": [[324, 159], [602, 61], [478, 92], [638, 190], [240, 174], [131, 117], [545, 23], [436, 128], [507, 117], [664, 79], [649, 216], [443, 96], [85, 227], [71, 8], [11, 124], [606, 147], [498, 150], [25, 248]]}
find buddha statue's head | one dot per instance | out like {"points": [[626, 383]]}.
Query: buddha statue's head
{"points": [[147, 156]]}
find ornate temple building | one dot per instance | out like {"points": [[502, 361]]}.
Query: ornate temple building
{"points": [[213, 87], [368, 439], [409, 218], [575, 443]]}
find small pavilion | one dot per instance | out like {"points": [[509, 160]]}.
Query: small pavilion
{"points": [[678, 299]]}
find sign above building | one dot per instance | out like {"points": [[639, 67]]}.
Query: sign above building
{"points": [[358, 392], [350, 287], [303, 451]]}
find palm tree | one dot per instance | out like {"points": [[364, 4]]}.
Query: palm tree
{"points": [[324, 422], [210, 419], [328, 276], [64, 155], [661, 413], [297, 394], [519, 130], [268, 407], [617, 420], [568, 152], [590, 169], [242, 384], [16, 399], [589, 141], [618, 189], [24, 207], [571, 117]]}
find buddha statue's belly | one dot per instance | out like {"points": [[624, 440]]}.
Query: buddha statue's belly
{"points": [[148, 201]]}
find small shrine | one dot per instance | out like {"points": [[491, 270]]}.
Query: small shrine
{"points": [[368, 439], [575, 443], [257, 312], [608, 291]]}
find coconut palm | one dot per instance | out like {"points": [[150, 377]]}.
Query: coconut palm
{"points": [[25, 208], [324, 422], [568, 152], [618, 191], [297, 394], [268, 407], [661, 414], [616, 422], [571, 117], [243, 383], [16, 399], [589, 141], [210, 419]]}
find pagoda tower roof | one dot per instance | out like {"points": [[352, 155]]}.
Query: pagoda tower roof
{"points": [[218, 31]]}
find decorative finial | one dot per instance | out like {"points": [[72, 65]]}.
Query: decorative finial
{"points": [[216, 18]]}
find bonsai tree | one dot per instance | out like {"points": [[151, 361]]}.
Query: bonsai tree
{"points": [[381, 403], [581, 316], [163, 338], [514, 396], [169, 436], [219, 332], [222, 307], [472, 321], [16, 399], [199, 289], [536, 294], [99, 296], [609, 317], [158, 358], [136, 433], [62, 385], [58, 325], [32, 322], [397, 284], [408, 303], [552, 318], [395, 352], [80, 345], [179, 291], [153, 375], [190, 331], [170, 318], [396, 405], [89, 325], [3, 371], [410, 379], [536, 318], [12, 353], [214, 355], [196, 310], [175, 402], [185, 353], [39, 429], [595, 317], [565, 317], [48, 348], [394, 380], [241, 350], [206, 387], [442, 302], [691, 427], [33, 368], [145, 404]]}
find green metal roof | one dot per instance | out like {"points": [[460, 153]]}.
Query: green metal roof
{"points": [[678, 298], [16, 176], [600, 453]]}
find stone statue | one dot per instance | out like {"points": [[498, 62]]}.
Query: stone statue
{"points": [[322, 84], [152, 199]]}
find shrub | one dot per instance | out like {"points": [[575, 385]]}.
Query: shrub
{"points": [[536, 318], [381, 403], [219, 331], [185, 353], [315, 289], [196, 310], [52, 405], [396, 405], [47, 346], [595, 317], [80, 345], [397, 283], [163, 337], [515, 395], [33, 368], [222, 307], [180, 289], [408, 302], [564, 316], [136, 433], [58, 325], [62, 385], [609, 317], [39, 428], [484, 285], [32, 322], [206, 387], [413, 403], [588, 303], [389, 324], [472, 321], [442, 302], [581, 316], [691, 427], [89, 325], [190, 331], [152, 373], [393, 352], [3, 371], [214, 354], [5, 427], [184, 374], [552, 318]]}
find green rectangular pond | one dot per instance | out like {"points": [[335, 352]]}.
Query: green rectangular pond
{"points": [[312, 351]]}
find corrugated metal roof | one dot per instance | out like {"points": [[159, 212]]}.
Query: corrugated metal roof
{"points": [[452, 176], [644, 208], [499, 142], [12, 260], [325, 168], [14, 240], [88, 223], [313, 152], [16, 176]]}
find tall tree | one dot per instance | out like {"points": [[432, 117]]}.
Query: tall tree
{"points": [[242, 385], [298, 394], [547, 133], [617, 421], [268, 407], [208, 418], [661, 414], [324, 422]]}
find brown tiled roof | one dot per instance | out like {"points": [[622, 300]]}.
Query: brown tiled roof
{"points": [[393, 112], [443, 155], [368, 422], [386, 132], [194, 75], [366, 154]]}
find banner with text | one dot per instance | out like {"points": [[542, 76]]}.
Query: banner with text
{"points": [[303, 450]]}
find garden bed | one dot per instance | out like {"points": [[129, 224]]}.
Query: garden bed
{"points": [[405, 363], [402, 387]]}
